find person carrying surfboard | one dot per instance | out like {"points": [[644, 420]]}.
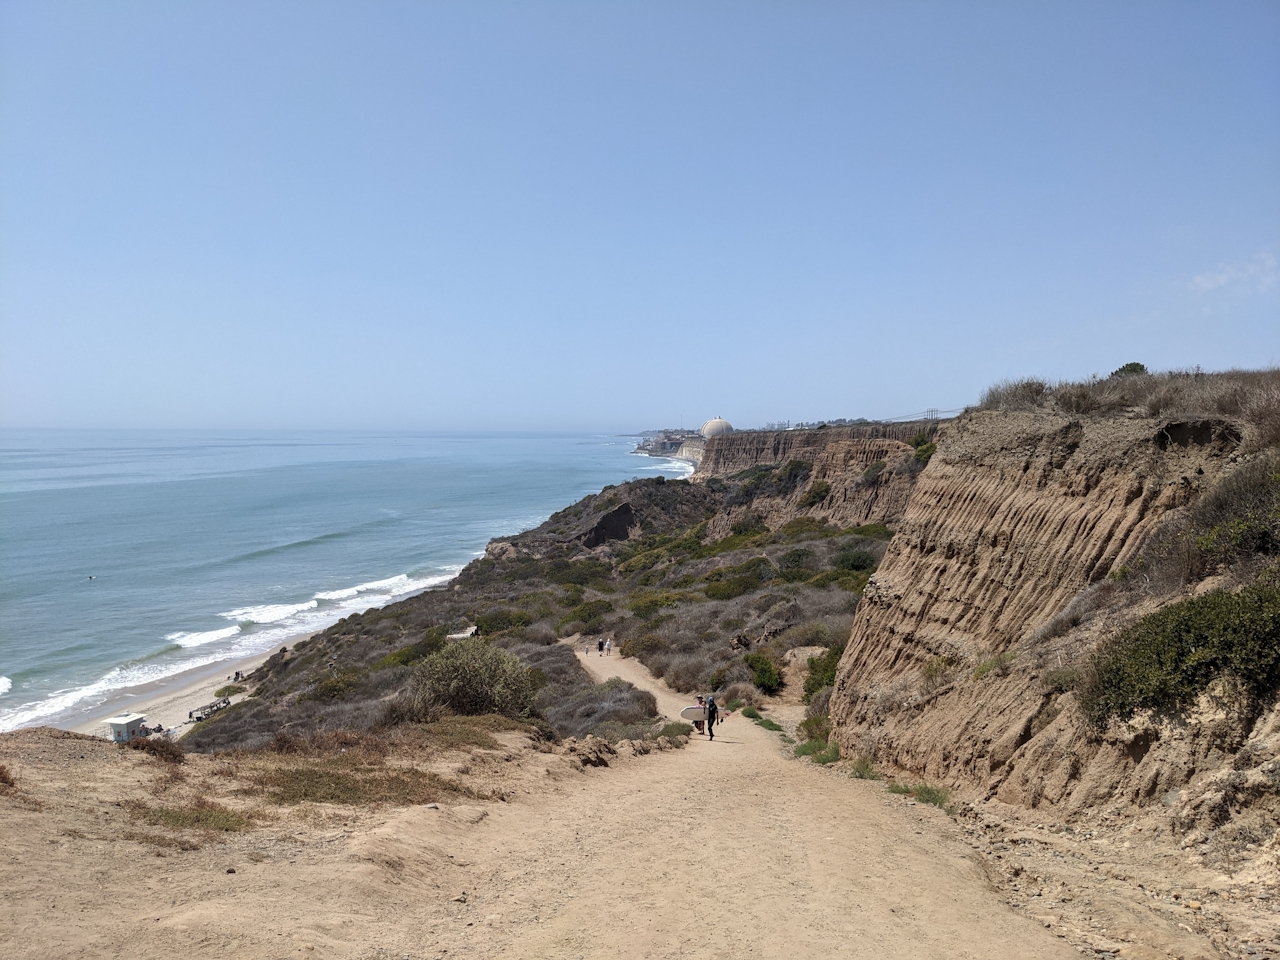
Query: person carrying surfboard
{"points": [[713, 712]]}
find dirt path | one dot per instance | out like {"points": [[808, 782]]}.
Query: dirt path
{"points": [[730, 848]]}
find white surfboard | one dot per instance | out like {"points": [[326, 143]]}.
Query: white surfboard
{"points": [[694, 712]]}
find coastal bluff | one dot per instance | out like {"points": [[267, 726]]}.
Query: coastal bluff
{"points": [[856, 475], [1029, 539]]}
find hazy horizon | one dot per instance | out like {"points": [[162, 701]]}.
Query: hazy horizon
{"points": [[607, 218]]}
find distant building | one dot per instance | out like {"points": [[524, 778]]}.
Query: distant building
{"points": [[126, 726], [715, 428]]}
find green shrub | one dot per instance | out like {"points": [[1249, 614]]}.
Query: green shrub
{"points": [[1240, 517], [806, 528], [851, 559], [925, 452], [495, 621], [999, 665], [937, 796], [822, 670], [639, 646], [818, 491], [765, 673], [1168, 658], [1061, 680], [873, 471], [751, 523], [648, 605], [590, 614], [797, 565], [230, 690], [751, 713], [580, 572], [769, 724], [873, 531], [920, 439], [729, 589], [432, 641], [816, 728], [339, 686], [474, 677], [864, 769], [820, 751]]}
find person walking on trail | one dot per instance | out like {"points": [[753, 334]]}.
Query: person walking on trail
{"points": [[713, 713], [608, 647], [600, 646]]}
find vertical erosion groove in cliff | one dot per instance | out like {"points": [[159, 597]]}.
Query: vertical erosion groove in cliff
{"points": [[1013, 516]]}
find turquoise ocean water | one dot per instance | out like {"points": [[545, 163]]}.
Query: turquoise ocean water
{"points": [[129, 557]]}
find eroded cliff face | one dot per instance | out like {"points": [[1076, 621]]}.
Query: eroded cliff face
{"points": [[733, 452], [1016, 515], [868, 472]]}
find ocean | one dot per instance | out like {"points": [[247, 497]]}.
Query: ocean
{"points": [[128, 557]]}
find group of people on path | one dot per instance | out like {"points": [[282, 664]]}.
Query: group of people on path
{"points": [[603, 647], [712, 713]]}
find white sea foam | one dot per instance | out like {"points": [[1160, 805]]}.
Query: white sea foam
{"points": [[98, 691], [390, 585], [200, 639], [274, 624], [5, 685], [270, 612]]}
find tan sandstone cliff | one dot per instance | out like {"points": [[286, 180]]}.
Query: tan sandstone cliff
{"points": [[870, 471], [1016, 516]]}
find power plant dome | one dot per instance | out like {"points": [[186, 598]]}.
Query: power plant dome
{"points": [[714, 428]]}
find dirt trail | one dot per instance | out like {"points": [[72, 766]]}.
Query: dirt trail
{"points": [[729, 847]]}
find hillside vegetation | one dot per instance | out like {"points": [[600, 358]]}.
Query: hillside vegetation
{"points": [[636, 563]]}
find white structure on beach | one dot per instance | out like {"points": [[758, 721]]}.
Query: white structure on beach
{"points": [[126, 726], [714, 428]]}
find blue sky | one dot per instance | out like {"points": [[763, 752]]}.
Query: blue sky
{"points": [[613, 216]]}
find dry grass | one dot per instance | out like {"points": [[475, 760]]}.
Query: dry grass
{"points": [[162, 748], [1249, 395], [329, 782], [200, 814]]}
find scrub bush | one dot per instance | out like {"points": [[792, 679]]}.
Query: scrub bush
{"points": [[822, 670], [765, 674], [471, 676], [1168, 658], [818, 491]]}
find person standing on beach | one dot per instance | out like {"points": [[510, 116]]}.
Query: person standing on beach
{"points": [[713, 712]]}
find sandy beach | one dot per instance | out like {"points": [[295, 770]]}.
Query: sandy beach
{"points": [[170, 701]]}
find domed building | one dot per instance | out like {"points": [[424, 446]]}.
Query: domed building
{"points": [[714, 428]]}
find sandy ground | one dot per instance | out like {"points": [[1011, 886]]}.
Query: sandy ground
{"points": [[170, 701], [729, 847]]}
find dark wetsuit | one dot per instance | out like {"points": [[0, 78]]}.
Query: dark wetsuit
{"points": [[712, 714]]}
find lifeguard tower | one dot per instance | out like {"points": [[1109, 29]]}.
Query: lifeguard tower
{"points": [[126, 726]]}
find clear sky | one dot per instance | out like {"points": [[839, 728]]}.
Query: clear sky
{"points": [[614, 216]]}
